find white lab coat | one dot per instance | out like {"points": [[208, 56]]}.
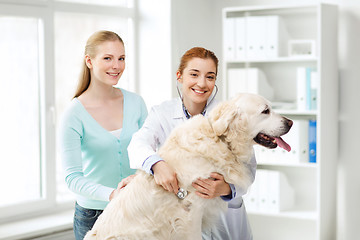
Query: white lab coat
{"points": [[142, 151]]}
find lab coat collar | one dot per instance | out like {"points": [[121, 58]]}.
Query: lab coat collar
{"points": [[179, 113]]}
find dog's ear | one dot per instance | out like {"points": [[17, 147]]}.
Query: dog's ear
{"points": [[221, 117]]}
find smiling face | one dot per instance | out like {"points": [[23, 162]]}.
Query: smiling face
{"points": [[198, 81], [108, 64]]}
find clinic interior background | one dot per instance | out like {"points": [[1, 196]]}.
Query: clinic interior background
{"points": [[156, 34]]}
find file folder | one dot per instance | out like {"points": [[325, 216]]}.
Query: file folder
{"points": [[301, 89], [281, 195], [255, 30], [276, 37], [237, 81], [229, 39], [250, 80], [240, 38], [312, 141], [314, 81], [270, 192]]}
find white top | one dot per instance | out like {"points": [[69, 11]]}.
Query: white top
{"points": [[116, 133]]}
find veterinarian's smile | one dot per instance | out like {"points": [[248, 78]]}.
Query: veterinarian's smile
{"points": [[199, 91]]}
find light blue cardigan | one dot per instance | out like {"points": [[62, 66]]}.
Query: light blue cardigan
{"points": [[94, 160]]}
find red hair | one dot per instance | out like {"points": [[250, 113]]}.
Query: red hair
{"points": [[197, 52]]}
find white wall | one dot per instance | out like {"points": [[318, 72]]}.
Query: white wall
{"points": [[154, 51], [349, 86], [192, 26], [199, 23]]}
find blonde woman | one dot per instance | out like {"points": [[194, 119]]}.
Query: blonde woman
{"points": [[96, 129]]}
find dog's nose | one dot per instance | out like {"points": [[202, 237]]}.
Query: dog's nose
{"points": [[290, 122]]}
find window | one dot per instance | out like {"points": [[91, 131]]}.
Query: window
{"points": [[20, 130], [41, 48], [120, 3]]}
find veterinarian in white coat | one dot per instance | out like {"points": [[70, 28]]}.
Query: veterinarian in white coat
{"points": [[197, 74]]}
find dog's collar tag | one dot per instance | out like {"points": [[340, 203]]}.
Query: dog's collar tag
{"points": [[182, 193]]}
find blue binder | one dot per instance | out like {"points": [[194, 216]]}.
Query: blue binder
{"points": [[312, 141]]}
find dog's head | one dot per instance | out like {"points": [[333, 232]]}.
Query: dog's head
{"points": [[251, 115]]}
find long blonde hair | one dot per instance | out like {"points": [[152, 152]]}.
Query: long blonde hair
{"points": [[90, 49]]}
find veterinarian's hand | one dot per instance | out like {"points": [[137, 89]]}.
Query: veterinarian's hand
{"points": [[212, 187], [165, 176], [121, 185]]}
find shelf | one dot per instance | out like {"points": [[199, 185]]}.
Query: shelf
{"points": [[293, 112], [288, 164], [268, 8], [249, 62], [277, 60], [296, 214]]}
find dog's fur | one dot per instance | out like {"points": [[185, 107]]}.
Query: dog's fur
{"points": [[222, 143]]}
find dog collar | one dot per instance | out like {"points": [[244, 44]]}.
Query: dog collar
{"points": [[182, 193]]}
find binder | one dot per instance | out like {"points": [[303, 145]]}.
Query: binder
{"points": [[237, 81], [229, 39], [262, 188], [265, 155], [251, 198], [297, 138], [281, 194], [258, 84], [308, 88], [250, 80], [240, 38], [312, 141], [270, 192], [301, 89], [276, 37], [255, 40], [313, 89]]}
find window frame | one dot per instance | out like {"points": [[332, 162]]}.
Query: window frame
{"points": [[45, 11]]}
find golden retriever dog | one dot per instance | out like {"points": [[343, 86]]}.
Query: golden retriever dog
{"points": [[221, 143]]}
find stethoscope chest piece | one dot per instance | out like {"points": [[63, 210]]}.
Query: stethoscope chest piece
{"points": [[182, 193]]}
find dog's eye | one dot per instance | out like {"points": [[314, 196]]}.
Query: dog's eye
{"points": [[266, 111]]}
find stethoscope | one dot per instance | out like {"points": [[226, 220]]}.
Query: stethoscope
{"points": [[182, 193], [186, 112]]}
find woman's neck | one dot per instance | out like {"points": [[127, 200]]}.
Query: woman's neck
{"points": [[102, 92], [194, 108], [100, 95]]}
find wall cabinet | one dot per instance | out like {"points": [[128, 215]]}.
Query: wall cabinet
{"points": [[279, 41]]}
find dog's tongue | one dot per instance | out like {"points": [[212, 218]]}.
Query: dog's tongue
{"points": [[281, 143]]}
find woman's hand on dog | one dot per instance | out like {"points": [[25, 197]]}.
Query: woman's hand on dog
{"points": [[120, 186], [165, 176], [212, 187]]}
